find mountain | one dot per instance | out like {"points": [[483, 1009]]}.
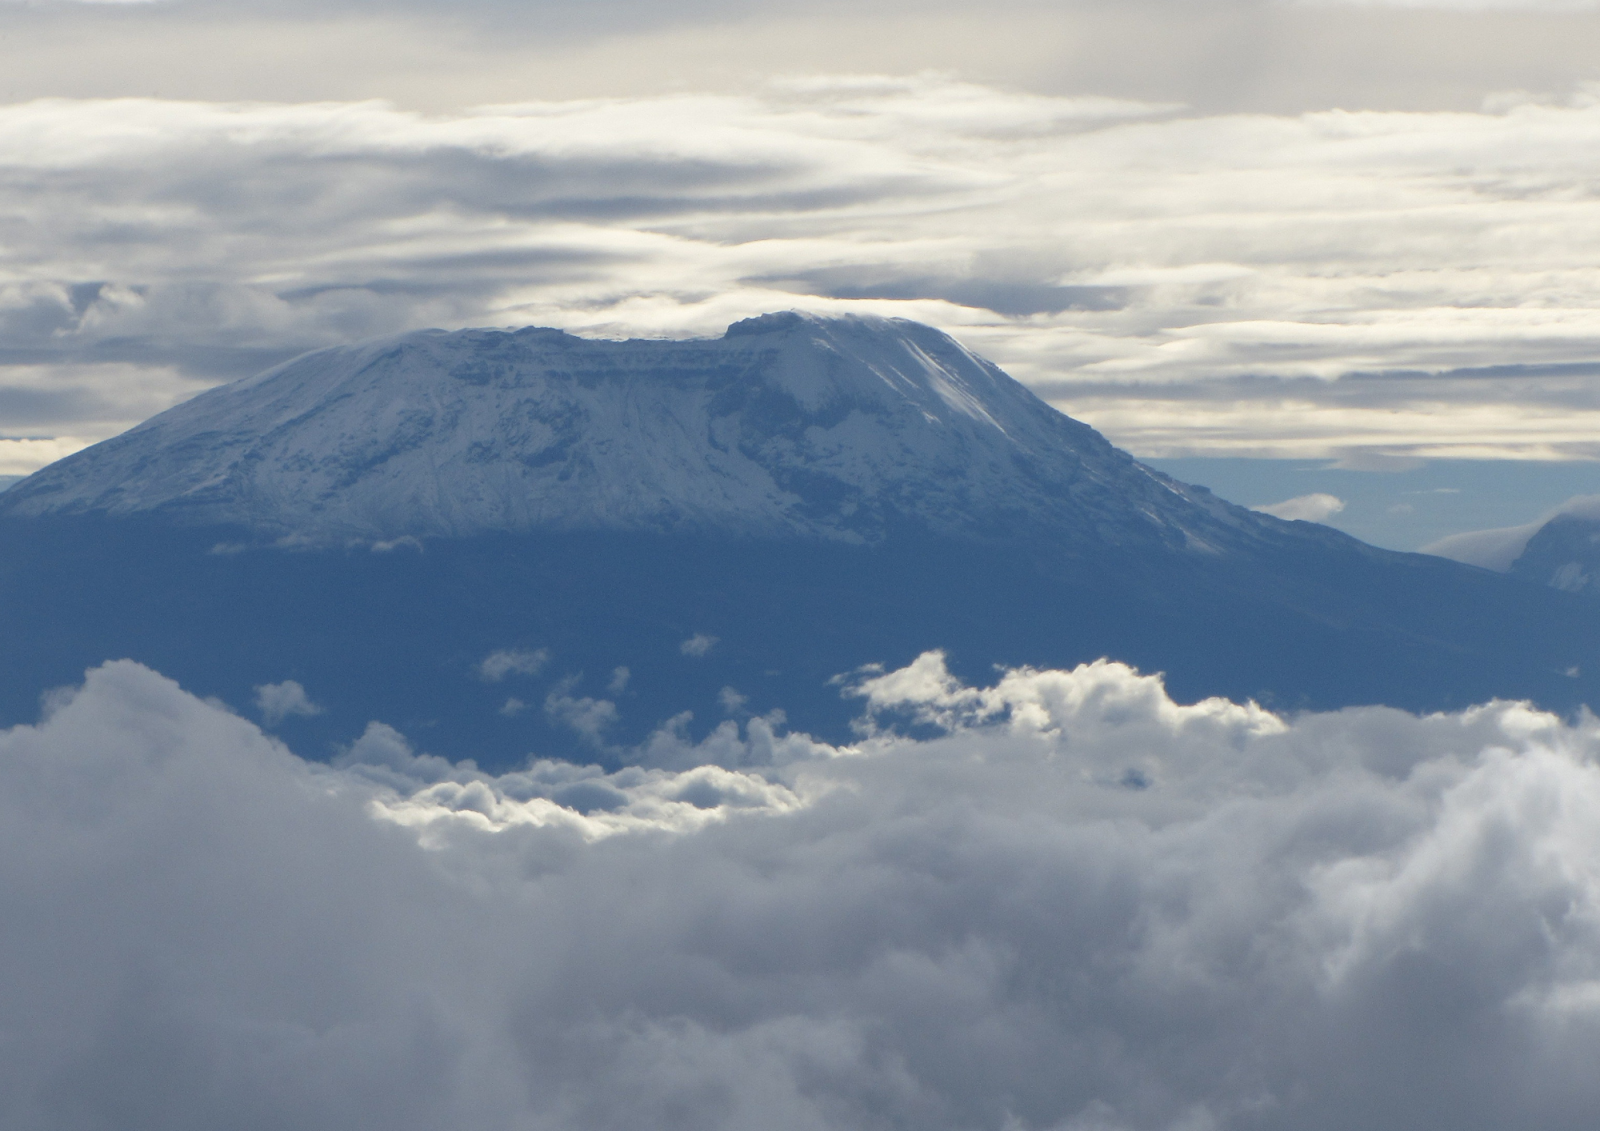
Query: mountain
{"points": [[1565, 551], [1562, 549], [787, 427], [506, 542]]}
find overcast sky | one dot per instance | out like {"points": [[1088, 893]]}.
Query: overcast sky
{"points": [[1352, 232]]}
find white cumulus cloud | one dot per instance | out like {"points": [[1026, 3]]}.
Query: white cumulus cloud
{"points": [[1316, 507], [513, 661], [278, 701], [1076, 905], [588, 716], [698, 645]]}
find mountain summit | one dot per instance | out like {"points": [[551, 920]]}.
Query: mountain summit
{"points": [[515, 542], [788, 426]]}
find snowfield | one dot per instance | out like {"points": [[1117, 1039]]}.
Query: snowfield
{"points": [[789, 425]]}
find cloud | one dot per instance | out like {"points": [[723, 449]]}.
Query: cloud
{"points": [[588, 716], [404, 542], [1076, 904], [1498, 549], [698, 645], [278, 701], [1223, 54], [1492, 549], [1472, 5], [1316, 507], [1350, 285], [21, 456], [513, 661]]}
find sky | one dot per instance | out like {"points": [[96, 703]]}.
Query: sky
{"points": [[1363, 235]]}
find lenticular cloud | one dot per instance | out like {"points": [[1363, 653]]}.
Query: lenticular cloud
{"points": [[1069, 903]]}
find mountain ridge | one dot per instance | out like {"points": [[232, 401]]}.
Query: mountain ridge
{"points": [[728, 521], [788, 425]]}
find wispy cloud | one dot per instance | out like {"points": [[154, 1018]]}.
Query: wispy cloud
{"points": [[513, 661], [698, 645], [279, 701], [1316, 507], [1499, 548], [1322, 284], [585, 714]]}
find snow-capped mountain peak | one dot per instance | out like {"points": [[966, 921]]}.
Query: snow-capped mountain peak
{"points": [[788, 425]]}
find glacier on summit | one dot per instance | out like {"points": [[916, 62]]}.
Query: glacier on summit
{"points": [[789, 425]]}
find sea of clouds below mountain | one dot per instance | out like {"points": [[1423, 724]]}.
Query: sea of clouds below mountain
{"points": [[1066, 902]]}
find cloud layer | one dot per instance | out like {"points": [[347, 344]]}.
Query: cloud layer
{"points": [[1499, 548], [1251, 55], [1324, 284], [1317, 507], [1073, 905]]}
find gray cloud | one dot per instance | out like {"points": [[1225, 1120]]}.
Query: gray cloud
{"points": [[278, 701], [1216, 54], [1082, 907], [513, 661], [1344, 285], [588, 716]]}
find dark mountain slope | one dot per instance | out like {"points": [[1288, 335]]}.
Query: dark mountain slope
{"points": [[757, 513]]}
